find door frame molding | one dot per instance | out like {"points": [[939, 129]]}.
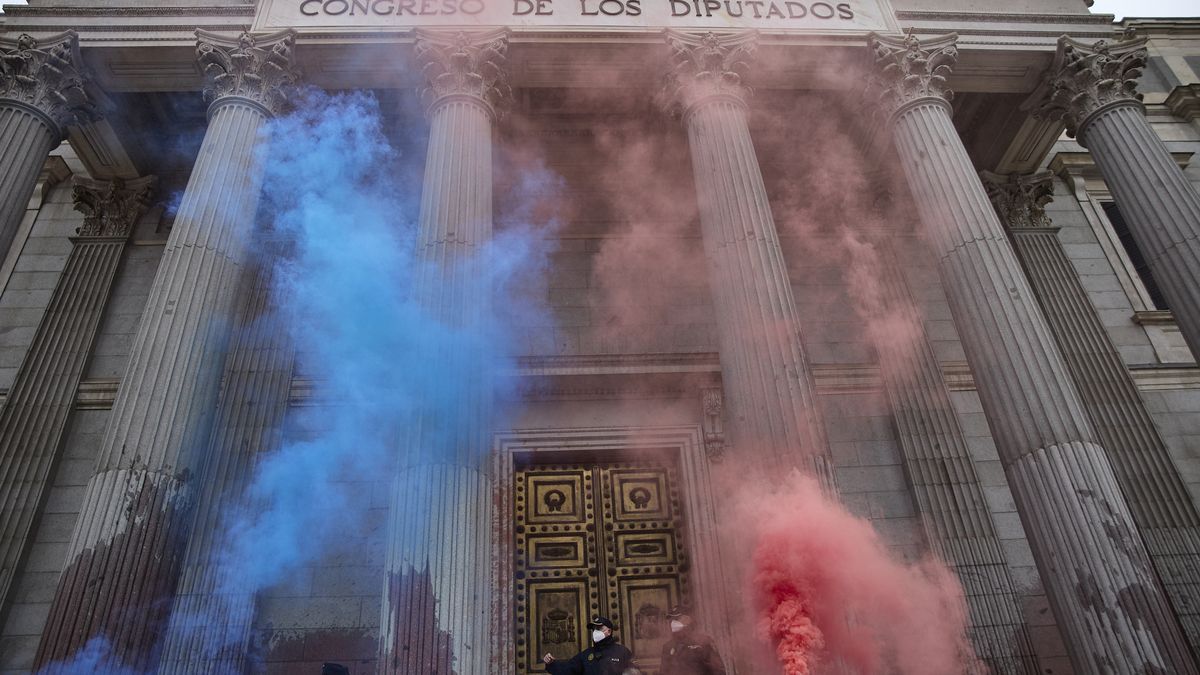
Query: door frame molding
{"points": [[707, 573]]}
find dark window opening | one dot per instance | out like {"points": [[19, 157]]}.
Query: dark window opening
{"points": [[1135, 254]]}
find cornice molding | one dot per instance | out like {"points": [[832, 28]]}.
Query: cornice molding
{"points": [[215, 10], [1080, 166], [1184, 101], [1166, 377], [1005, 17]]}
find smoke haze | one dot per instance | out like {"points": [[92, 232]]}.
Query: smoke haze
{"points": [[827, 591], [821, 585]]}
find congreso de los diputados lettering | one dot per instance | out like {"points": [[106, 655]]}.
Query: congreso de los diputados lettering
{"points": [[659, 337]]}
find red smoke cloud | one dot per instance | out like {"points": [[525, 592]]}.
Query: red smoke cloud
{"points": [[826, 590]]}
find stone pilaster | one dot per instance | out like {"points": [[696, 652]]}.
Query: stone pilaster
{"points": [[210, 627], [41, 94], [949, 496], [1110, 606], [768, 391], [124, 556], [437, 601], [1093, 88], [35, 414], [1157, 498]]}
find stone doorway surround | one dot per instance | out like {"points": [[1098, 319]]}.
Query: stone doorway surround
{"points": [[683, 444]]}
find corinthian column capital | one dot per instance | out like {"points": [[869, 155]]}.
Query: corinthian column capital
{"points": [[706, 66], [46, 76], [464, 64], [1020, 200], [908, 69], [1086, 79], [111, 208], [258, 69]]}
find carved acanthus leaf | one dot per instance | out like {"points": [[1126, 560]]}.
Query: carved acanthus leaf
{"points": [[707, 65], [464, 64], [908, 69], [1085, 78], [713, 424], [1020, 200], [47, 75], [257, 68], [111, 209]]}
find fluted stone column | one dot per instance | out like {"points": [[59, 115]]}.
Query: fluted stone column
{"points": [[124, 556], [765, 374], [949, 496], [1093, 88], [437, 600], [41, 94], [1157, 498], [210, 627], [40, 401], [1113, 612]]}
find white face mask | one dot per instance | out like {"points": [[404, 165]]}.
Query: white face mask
{"points": [[598, 635], [676, 626]]}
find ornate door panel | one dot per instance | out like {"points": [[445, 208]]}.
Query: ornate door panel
{"points": [[596, 539]]}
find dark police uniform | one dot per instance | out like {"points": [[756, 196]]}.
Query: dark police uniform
{"points": [[691, 652], [606, 657]]}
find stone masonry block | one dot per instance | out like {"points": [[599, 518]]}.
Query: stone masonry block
{"points": [[878, 453], [895, 504], [871, 479], [29, 281], [47, 557], [26, 618], [311, 612], [1017, 552], [64, 500], [17, 653], [345, 581], [55, 528], [1000, 499], [35, 587]]}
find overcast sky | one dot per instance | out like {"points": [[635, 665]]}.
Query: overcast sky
{"points": [[1121, 8]]}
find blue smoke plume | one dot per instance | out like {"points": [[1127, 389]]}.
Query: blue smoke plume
{"points": [[346, 296], [343, 295]]}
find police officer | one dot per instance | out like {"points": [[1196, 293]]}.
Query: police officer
{"points": [[689, 651], [606, 656]]}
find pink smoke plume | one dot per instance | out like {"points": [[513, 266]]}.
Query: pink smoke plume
{"points": [[827, 591]]}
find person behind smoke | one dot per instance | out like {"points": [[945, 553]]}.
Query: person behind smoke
{"points": [[606, 656], [689, 651]]}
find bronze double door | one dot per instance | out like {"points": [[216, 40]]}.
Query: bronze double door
{"points": [[596, 539]]}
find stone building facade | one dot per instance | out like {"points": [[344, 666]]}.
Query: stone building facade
{"points": [[1037, 223]]}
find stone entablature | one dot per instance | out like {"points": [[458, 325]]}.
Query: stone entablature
{"points": [[808, 16]]}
